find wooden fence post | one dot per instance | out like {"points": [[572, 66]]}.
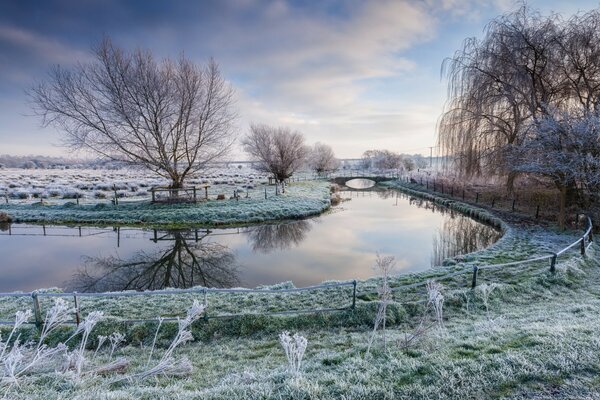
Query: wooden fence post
{"points": [[153, 195], [583, 246], [37, 312], [477, 198], [474, 279], [537, 212], [77, 315], [116, 198], [493, 201], [194, 190], [205, 304], [513, 205], [553, 263]]}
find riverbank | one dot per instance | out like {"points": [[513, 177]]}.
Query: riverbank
{"points": [[523, 332], [529, 336], [301, 200]]}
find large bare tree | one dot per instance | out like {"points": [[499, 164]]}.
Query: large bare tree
{"points": [[171, 117], [277, 150]]}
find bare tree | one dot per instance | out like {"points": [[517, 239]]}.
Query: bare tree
{"points": [[278, 150], [381, 159], [321, 159], [171, 117]]}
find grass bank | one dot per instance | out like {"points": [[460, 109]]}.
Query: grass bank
{"points": [[532, 336], [301, 200], [522, 333]]}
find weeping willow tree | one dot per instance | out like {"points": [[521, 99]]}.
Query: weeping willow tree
{"points": [[496, 86]]}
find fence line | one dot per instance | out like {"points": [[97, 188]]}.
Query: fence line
{"points": [[35, 296], [205, 291]]}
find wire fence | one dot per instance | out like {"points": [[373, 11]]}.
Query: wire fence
{"points": [[218, 300], [219, 303]]}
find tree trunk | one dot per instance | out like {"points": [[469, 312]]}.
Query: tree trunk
{"points": [[510, 182], [563, 206]]}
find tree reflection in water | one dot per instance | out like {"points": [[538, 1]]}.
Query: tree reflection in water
{"points": [[186, 262], [461, 235], [269, 238]]}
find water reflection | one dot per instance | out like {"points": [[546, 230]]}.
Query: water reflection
{"points": [[269, 238], [459, 235], [186, 261], [339, 245], [360, 183]]}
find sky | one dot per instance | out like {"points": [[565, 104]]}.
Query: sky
{"points": [[354, 74]]}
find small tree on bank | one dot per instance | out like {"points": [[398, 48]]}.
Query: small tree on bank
{"points": [[171, 117], [321, 159], [278, 150]]}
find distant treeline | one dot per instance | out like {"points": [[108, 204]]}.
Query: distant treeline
{"points": [[49, 162]]}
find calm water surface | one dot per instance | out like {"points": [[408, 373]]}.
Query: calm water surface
{"points": [[339, 245]]}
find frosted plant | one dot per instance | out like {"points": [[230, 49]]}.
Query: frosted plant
{"points": [[56, 316], [436, 300], [294, 347], [168, 365], [21, 317], [115, 340], [76, 359], [101, 340], [485, 291], [160, 321], [383, 266]]}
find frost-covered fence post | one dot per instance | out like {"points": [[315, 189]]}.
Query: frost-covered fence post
{"points": [[36, 310], [205, 304], [77, 314], [583, 246], [474, 279], [265, 193], [553, 263], [116, 197]]}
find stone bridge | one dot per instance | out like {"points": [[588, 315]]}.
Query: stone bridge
{"points": [[341, 180]]}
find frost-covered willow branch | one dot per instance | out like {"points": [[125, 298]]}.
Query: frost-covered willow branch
{"points": [[383, 266], [294, 347]]}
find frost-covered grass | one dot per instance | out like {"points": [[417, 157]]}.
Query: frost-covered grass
{"points": [[302, 199], [98, 185], [535, 336]]}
